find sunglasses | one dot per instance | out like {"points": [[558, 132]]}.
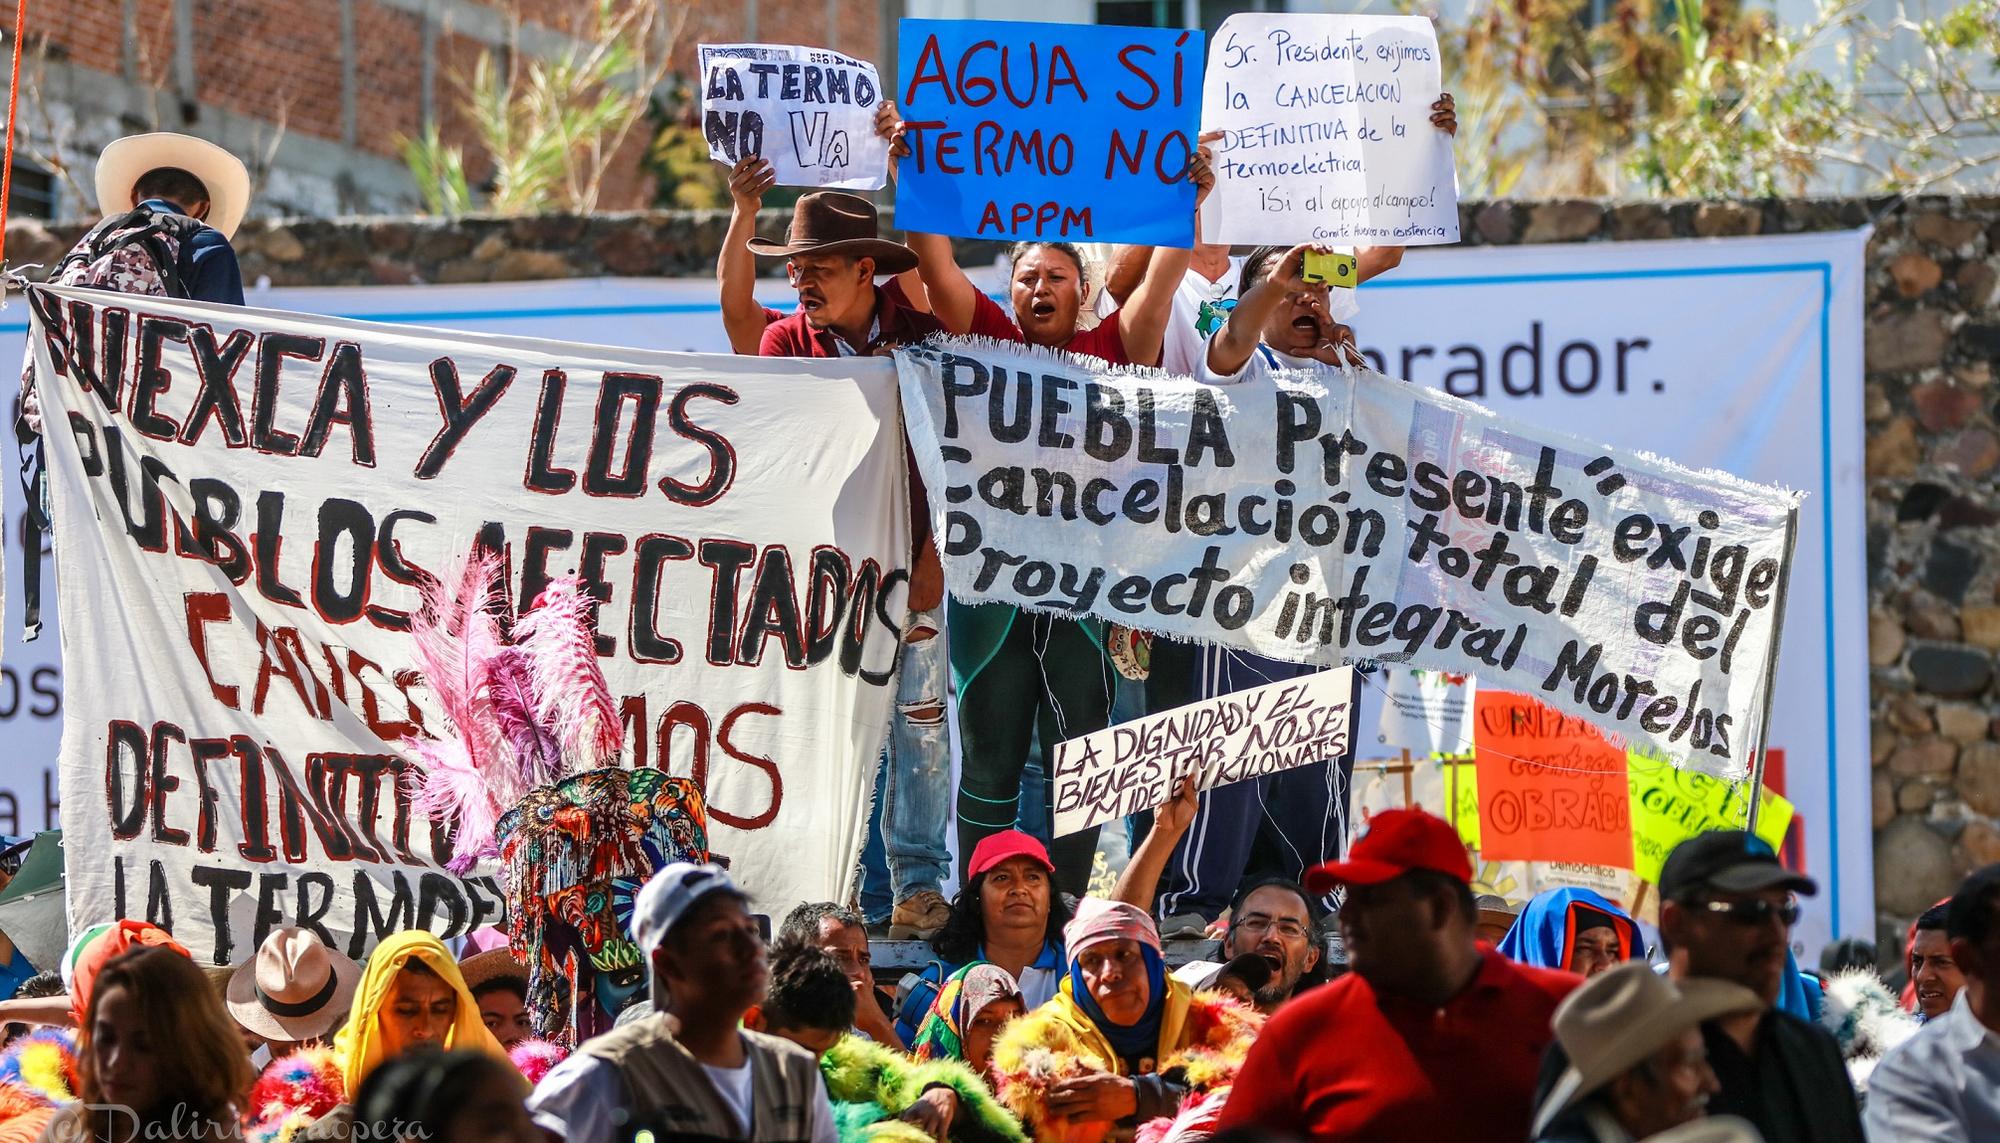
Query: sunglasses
{"points": [[1752, 913]]}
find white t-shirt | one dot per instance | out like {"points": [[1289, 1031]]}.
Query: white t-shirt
{"points": [[733, 1084], [1263, 362]]}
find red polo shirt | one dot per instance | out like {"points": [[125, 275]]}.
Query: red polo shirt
{"points": [[1102, 340], [895, 324], [1343, 1063]]}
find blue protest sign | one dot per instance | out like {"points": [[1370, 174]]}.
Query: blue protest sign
{"points": [[1065, 131]]}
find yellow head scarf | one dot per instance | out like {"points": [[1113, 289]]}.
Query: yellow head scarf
{"points": [[359, 1045]]}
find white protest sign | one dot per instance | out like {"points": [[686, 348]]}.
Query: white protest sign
{"points": [[810, 111], [1136, 765], [1331, 517], [1326, 132], [1426, 712], [245, 503]]}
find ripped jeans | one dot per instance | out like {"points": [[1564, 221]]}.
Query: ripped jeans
{"points": [[906, 840]]}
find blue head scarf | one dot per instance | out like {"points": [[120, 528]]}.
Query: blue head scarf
{"points": [[1546, 931], [1131, 1041]]}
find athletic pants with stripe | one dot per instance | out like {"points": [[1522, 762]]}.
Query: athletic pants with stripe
{"points": [[1291, 821]]}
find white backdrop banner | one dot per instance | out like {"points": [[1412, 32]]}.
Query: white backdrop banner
{"points": [[1742, 354], [246, 501]]}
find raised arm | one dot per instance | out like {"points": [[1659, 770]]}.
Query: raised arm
{"points": [[1142, 321], [1140, 882], [735, 266], [1128, 269], [947, 292], [1230, 349]]}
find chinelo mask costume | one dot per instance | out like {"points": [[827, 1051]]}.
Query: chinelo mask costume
{"points": [[532, 779]]}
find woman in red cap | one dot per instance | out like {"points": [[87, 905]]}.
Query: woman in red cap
{"points": [[1007, 913]]}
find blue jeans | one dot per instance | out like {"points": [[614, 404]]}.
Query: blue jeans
{"points": [[906, 850]]}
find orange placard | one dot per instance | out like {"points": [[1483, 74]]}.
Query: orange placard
{"points": [[1550, 787]]}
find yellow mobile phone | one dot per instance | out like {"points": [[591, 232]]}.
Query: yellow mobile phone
{"points": [[1329, 269]]}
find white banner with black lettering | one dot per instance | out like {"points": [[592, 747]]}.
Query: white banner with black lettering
{"points": [[1337, 516], [245, 501]]}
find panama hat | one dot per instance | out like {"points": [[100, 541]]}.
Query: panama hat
{"points": [[125, 160], [294, 989], [1620, 1017], [830, 222]]}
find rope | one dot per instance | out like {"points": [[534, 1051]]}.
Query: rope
{"points": [[13, 103]]}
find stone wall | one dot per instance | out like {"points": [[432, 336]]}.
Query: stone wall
{"points": [[1933, 428]]}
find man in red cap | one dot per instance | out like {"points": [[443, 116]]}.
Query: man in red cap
{"points": [[1431, 1036]]}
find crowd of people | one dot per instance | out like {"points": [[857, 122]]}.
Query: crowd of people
{"points": [[1045, 1012], [1574, 1029]]}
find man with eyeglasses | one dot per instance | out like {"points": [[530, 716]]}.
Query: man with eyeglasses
{"points": [[1940, 1083], [1726, 912]]}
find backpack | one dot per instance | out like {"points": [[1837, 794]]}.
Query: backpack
{"points": [[142, 251]]}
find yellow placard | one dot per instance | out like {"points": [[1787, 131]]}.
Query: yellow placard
{"points": [[1670, 805]]}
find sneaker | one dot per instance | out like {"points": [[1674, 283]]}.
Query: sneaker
{"points": [[919, 916], [1184, 927]]}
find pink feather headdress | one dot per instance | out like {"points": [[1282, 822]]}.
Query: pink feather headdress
{"points": [[519, 712]]}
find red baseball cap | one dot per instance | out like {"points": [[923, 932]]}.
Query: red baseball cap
{"points": [[996, 848], [1396, 842]]}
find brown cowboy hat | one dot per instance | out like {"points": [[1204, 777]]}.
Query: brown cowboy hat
{"points": [[831, 222]]}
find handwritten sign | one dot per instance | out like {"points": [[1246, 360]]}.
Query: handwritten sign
{"points": [[1426, 712], [1053, 131], [1670, 805], [1550, 787], [1326, 132], [1430, 786], [810, 111], [1135, 766]]}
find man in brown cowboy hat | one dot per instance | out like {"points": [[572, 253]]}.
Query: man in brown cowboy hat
{"points": [[833, 254]]}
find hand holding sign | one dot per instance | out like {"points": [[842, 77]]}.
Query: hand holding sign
{"points": [[749, 179]]}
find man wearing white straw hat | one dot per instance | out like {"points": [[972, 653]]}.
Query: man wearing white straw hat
{"points": [[192, 189], [295, 991], [1638, 1066]]}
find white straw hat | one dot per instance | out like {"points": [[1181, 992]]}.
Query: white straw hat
{"points": [[125, 160], [294, 989]]}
